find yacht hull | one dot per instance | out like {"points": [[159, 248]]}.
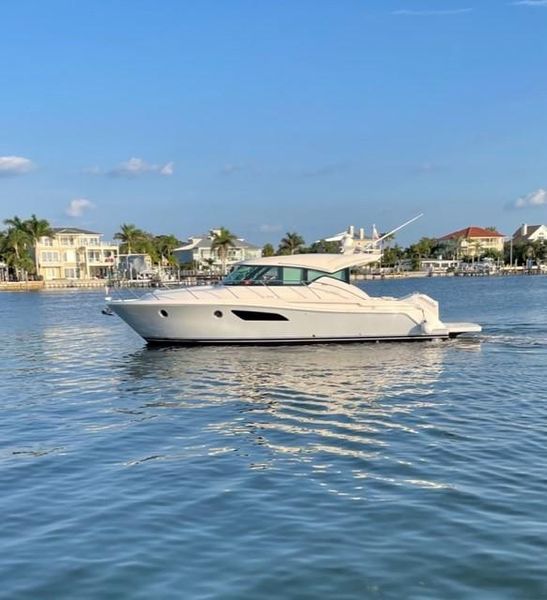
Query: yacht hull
{"points": [[187, 324]]}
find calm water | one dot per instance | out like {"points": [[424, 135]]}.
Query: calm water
{"points": [[357, 471]]}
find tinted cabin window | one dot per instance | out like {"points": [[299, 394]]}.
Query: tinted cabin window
{"points": [[254, 315], [292, 276], [267, 275], [252, 275], [343, 275], [312, 275], [238, 275]]}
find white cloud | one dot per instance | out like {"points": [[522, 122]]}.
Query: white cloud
{"points": [[78, 206], [530, 3], [167, 169], [135, 167], [431, 13], [532, 200], [14, 165]]}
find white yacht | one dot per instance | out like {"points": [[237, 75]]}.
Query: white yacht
{"points": [[301, 298]]}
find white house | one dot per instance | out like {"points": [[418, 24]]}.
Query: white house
{"points": [[198, 251], [530, 233], [354, 238]]}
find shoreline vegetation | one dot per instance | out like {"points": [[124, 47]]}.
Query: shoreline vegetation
{"points": [[19, 268]]}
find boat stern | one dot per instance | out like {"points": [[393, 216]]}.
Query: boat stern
{"points": [[456, 329]]}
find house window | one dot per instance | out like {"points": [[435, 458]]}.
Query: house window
{"points": [[48, 256]]}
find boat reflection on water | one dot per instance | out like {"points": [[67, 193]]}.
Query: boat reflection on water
{"points": [[337, 374], [338, 413], [290, 387]]}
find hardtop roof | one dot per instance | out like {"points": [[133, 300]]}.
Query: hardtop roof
{"points": [[327, 263]]}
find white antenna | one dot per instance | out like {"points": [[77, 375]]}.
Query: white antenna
{"points": [[386, 235]]}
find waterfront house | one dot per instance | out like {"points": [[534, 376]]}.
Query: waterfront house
{"points": [[530, 233], [353, 238], [199, 253], [72, 253], [472, 241]]}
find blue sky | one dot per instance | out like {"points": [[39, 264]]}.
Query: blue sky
{"points": [[273, 115]]}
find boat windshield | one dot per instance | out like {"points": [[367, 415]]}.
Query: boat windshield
{"points": [[268, 275]]}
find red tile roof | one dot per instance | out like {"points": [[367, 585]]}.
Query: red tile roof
{"points": [[471, 232]]}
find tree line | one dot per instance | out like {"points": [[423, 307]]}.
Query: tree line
{"points": [[293, 243], [18, 240], [138, 241], [517, 253], [425, 248]]}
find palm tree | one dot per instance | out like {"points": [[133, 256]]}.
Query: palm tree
{"points": [[15, 223], [540, 249], [16, 243], [3, 250], [165, 244], [268, 250], [454, 247], [530, 254], [15, 237], [323, 247], [291, 243], [391, 256], [36, 229], [223, 240], [130, 236], [15, 251]]}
